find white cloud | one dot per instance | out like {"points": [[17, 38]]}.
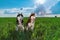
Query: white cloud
{"points": [[1, 11], [26, 12], [47, 5], [48, 11], [39, 2], [14, 11], [50, 3]]}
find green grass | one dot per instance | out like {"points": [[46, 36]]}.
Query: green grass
{"points": [[45, 29]]}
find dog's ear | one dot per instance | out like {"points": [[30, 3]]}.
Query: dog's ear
{"points": [[21, 14]]}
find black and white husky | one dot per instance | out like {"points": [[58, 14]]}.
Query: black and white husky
{"points": [[20, 22]]}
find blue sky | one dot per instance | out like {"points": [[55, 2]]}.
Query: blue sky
{"points": [[12, 7], [16, 3]]}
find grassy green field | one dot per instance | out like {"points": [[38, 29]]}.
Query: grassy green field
{"points": [[45, 29]]}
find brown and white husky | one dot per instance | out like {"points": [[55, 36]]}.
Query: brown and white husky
{"points": [[31, 22]]}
